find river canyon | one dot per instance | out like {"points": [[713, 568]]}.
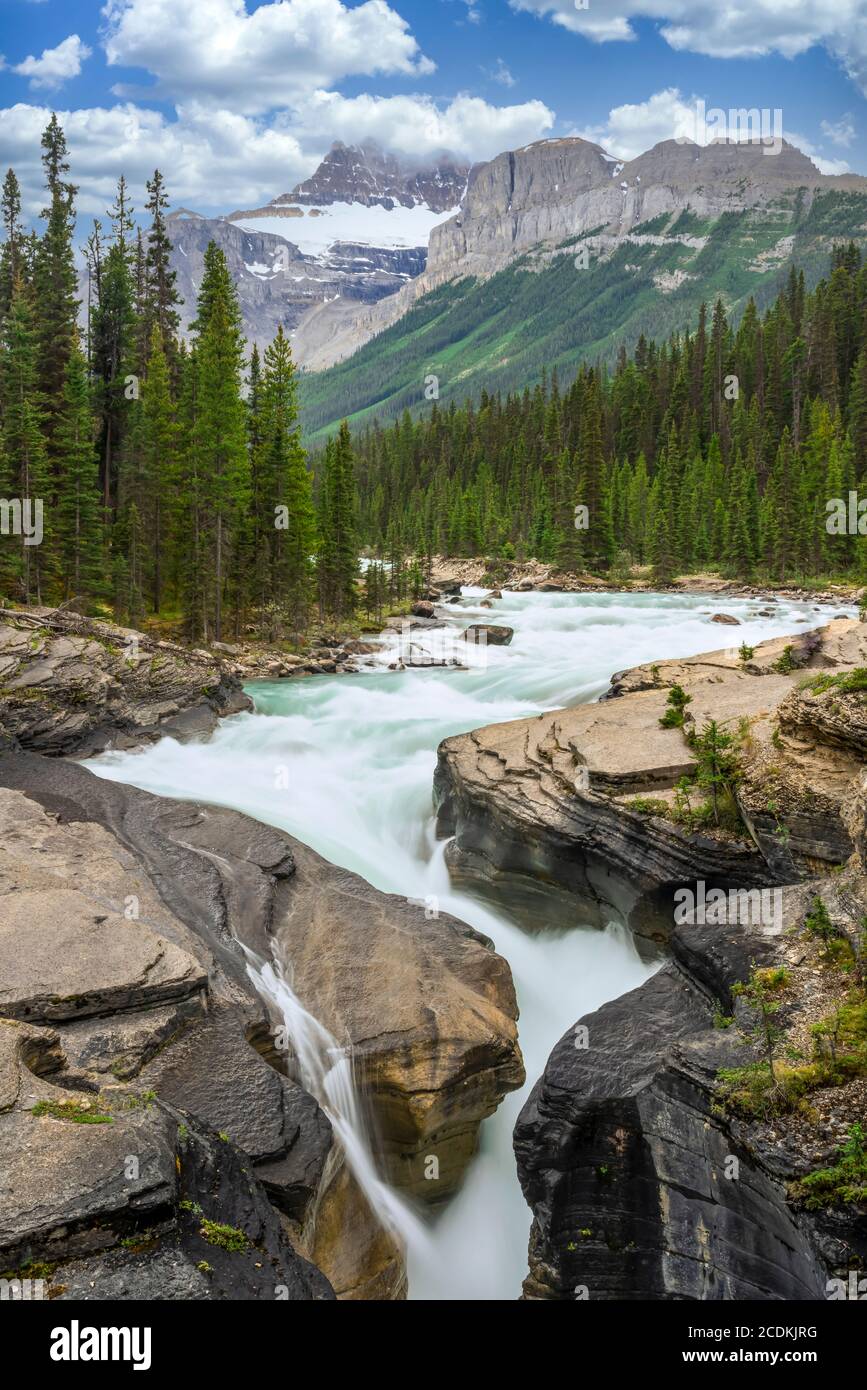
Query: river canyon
{"points": [[345, 764]]}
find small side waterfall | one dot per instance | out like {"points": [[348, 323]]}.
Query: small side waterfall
{"points": [[326, 1073]]}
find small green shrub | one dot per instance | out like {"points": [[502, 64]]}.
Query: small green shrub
{"points": [[76, 1112], [844, 1184], [848, 683], [648, 806], [786, 663], [677, 703]]}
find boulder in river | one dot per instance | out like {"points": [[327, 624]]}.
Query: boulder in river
{"points": [[495, 635], [727, 618]]}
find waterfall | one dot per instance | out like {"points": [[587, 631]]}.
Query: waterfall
{"points": [[325, 1072]]}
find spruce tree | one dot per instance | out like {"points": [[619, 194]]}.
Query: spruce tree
{"points": [[157, 443], [288, 515], [55, 279], [79, 523], [12, 252], [26, 567], [219, 429]]}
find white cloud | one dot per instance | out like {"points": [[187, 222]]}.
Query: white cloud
{"points": [[56, 65], [725, 30], [218, 159], [840, 132], [635, 127], [255, 104], [210, 159], [823, 164], [416, 126], [218, 52]]}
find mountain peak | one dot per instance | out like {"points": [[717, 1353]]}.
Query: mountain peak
{"points": [[372, 176]]}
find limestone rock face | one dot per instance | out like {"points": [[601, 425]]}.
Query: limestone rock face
{"points": [[830, 717], [626, 1158], [158, 903], [155, 1017], [625, 1169], [122, 1193], [550, 798], [71, 685], [427, 1007], [855, 814], [557, 190]]}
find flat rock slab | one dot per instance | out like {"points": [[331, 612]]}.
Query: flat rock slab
{"points": [[547, 798], [64, 1185], [62, 958]]}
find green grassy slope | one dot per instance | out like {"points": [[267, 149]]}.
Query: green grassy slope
{"points": [[542, 312]]}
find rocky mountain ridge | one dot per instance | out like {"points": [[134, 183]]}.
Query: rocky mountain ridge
{"points": [[375, 242], [560, 191], [368, 175]]}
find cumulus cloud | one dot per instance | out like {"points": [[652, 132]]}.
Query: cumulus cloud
{"points": [[255, 105], [210, 160], [417, 126], [725, 31], [216, 51], [56, 65], [635, 127], [218, 159]]}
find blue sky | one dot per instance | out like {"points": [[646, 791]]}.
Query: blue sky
{"points": [[237, 102]]}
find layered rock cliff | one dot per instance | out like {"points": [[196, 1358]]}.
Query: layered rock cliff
{"points": [[126, 925], [661, 1153], [585, 797], [76, 686], [645, 1184]]}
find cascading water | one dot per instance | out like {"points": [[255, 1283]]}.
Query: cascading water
{"points": [[361, 751], [325, 1072]]}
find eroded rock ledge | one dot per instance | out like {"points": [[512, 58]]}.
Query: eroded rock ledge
{"points": [[552, 797], [641, 1185], [76, 686], [147, 1018]]}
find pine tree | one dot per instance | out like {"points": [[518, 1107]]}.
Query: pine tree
{"points": [[288, 515], [219, 437], [55, 279], [160, 292], [112, 345], [338, 555], [25, 567], [599, 539], [157, 444], [79, 525], [12, 253]]}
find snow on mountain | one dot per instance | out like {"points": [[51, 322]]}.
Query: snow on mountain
{"points": [[315, 231]]}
